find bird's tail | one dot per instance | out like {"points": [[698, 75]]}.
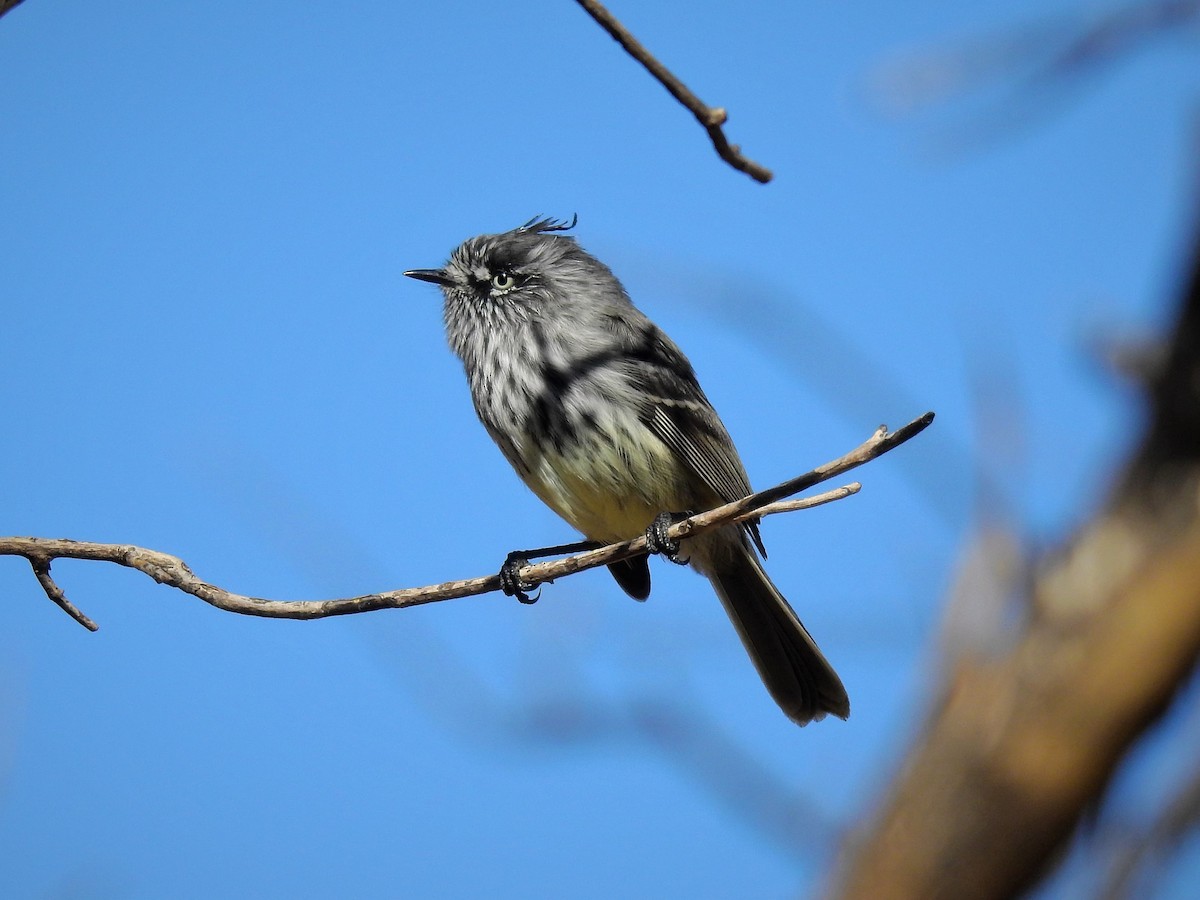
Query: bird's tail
{"points": [[798, 676]]}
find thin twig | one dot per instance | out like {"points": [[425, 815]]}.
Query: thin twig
{"points": [[804, 502], [41, 570], [711, 118], [174, 572]]}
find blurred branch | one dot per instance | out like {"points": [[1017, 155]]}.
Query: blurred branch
{"points": [[174, 572], [1020, 745], [1033, 65], [700, 747], [1120, 31], [711, 118], [6, 5]]}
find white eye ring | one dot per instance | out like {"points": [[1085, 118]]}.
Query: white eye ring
{"points": [[503, 281]]}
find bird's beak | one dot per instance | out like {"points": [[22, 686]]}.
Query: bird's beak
{"points": [[433, 276]]}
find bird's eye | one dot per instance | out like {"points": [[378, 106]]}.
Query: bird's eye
{"points": [[503, 281]]}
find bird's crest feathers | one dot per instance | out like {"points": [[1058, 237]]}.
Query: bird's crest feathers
{"points": [[548, 224]]}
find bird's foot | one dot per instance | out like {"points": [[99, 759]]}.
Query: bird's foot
{"points": [[510, 578], [658, 541]]}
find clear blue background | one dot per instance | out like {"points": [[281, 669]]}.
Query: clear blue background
{"points": [[207, 348]]}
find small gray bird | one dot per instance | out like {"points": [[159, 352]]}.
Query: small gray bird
{"points": [[602, 417]]}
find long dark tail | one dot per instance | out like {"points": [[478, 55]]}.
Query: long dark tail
{"points": [[800, 679]]}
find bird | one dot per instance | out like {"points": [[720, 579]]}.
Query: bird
{"points": [[601, 415]]}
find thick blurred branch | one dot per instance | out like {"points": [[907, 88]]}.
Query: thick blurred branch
{"points": [[711, 118], [1019, 746], [6, 5], [174, 572]]}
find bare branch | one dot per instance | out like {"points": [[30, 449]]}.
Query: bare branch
{"points": [[710, 118], [783, 506], [174, 572]]}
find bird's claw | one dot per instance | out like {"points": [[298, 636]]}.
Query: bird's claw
{"points": [[511, 582], [658, 541]]}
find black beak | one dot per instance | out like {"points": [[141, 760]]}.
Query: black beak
{"points": [[433, 276]]}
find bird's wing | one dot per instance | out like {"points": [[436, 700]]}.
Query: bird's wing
{"points": [[679, 414], [696, 436]]}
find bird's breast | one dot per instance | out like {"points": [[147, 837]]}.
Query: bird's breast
{"points": [[575, 435], [611, 480]]}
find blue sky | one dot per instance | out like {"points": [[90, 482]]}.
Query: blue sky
{"points": [[210, 350]]}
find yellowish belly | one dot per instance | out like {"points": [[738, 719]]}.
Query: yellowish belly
{"points": [[608, 497]]}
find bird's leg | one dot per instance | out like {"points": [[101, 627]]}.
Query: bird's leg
{"points": [[510, 580], [657, 540]]}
